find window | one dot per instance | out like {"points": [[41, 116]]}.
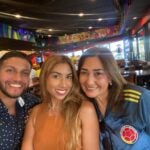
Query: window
{"points": [[141, 44], [117, 49]]}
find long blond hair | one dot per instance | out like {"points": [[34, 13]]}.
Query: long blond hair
{"points": [[72, 102]]}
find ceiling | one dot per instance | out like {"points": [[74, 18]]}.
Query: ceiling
{"points": [[62, 15]]}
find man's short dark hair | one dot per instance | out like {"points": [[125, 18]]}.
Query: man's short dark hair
{"points": [[12, 54]]}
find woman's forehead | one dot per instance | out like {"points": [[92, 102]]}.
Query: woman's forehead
{"points": [[92, 62]]}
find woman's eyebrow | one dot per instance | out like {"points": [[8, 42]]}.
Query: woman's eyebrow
{"points": [[83, 69], [70, 73], [54, 72], [60, 73], [101, 69]]}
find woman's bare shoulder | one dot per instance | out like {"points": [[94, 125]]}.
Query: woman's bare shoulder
{"points": [[35, 109], [87, 107]]}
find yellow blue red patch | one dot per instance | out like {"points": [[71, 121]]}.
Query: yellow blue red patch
{"points": [[129, 134]]}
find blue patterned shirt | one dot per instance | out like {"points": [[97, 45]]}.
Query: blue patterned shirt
{"points": [[12, 127]]}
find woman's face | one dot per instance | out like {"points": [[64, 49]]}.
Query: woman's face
{"points": [[93, 78], [59, 81]]}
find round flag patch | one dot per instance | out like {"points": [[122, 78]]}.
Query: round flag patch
{"points": [[129, 134]]}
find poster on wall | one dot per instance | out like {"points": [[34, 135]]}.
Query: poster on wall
{"points": [[7, 31], [89, 35]]}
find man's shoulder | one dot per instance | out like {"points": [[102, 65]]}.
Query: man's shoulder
{"points": [[30, 100]]}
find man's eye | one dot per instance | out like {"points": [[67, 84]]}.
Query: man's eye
{"points": [[9, 70], [26, 73]]}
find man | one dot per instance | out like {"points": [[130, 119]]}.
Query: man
{"points": [[15, 103]]}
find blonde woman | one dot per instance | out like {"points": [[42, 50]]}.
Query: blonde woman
{"points": [[64, 121]]}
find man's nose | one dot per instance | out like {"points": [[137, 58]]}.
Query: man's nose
{"points": [[18, 76]]}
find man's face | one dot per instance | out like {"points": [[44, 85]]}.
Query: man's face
{"points": [[14, 77]]}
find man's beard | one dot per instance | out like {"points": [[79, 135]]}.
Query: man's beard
{"points": [[4, 91]]}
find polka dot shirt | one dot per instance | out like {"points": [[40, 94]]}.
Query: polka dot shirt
{"points": [[12, 127]]}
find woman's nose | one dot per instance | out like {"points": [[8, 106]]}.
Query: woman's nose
{"points": [[90, 79], [63, 82]]}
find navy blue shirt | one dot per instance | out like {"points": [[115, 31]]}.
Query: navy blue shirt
{"points": [[12, 127]]}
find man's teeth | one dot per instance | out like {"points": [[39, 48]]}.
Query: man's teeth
{"points": [[15, 85]]}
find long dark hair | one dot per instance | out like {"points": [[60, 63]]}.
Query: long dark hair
{"points": [[110, 65]]}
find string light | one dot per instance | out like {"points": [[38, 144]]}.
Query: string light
{"points": [[18, 16]]}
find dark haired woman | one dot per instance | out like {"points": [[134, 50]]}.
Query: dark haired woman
{"points": [[123, 109]]}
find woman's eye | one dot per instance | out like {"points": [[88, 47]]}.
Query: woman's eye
{"points": [[55, 76], [69, 77], [99, 73], [9, 70], [83, 73]]}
